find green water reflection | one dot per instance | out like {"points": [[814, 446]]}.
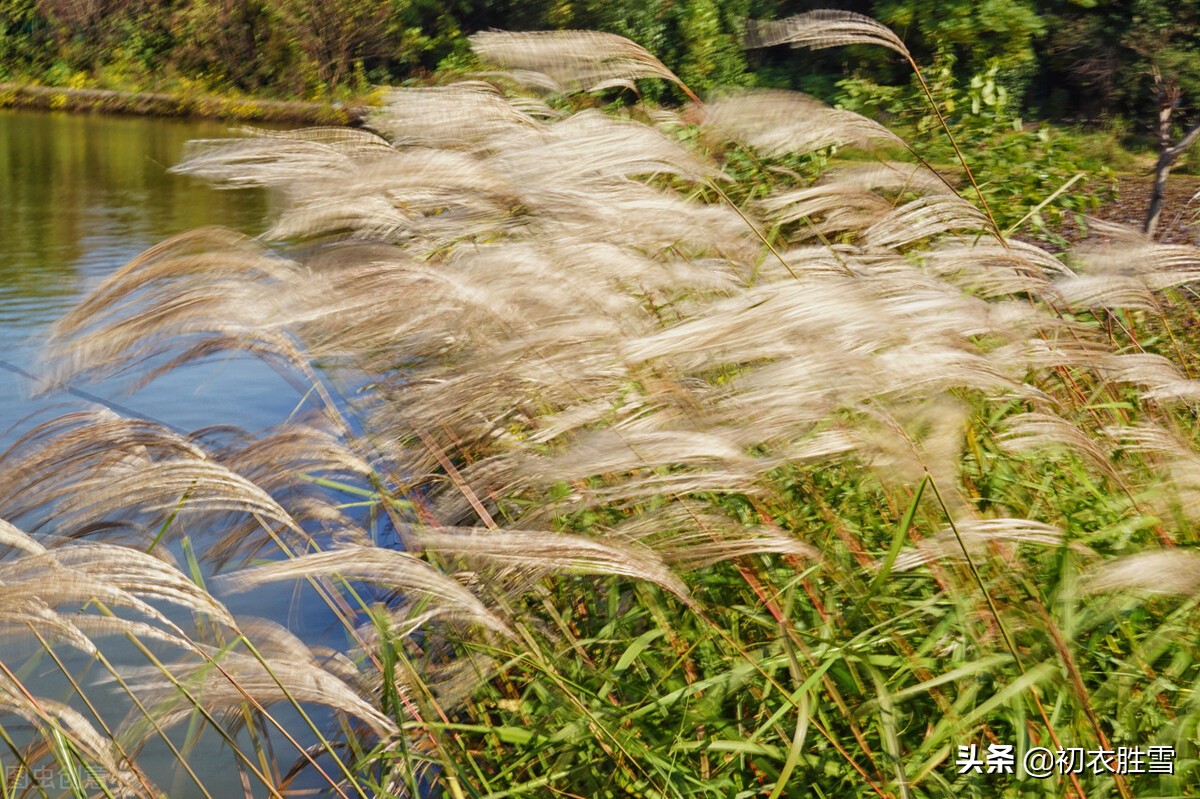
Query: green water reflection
{"points": [[79, 197], [78, 191]]}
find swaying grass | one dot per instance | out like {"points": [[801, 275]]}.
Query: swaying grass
{"points": [[708, 481]]}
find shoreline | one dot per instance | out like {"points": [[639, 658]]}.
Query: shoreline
{"points": [[161, 104]]}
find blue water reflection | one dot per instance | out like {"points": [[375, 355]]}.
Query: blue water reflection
{"points": [[79, 197]]}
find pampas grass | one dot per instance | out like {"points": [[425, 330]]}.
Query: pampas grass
{"points": [[695, 498]]}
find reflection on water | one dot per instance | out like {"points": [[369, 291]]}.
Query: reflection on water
{"points": [[80, 196]]}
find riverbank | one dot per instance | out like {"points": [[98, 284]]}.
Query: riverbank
{"points": [[195, 106]]}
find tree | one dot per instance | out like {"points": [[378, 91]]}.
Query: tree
{"points": [[230, 38], [24, 38], [1169, 96], [978, 33], [334, 36], [1100, 55]]}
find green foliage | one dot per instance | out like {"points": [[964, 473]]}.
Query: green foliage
{"points": [[1099, 56], [709, 53], [980, 36], [332, 38], [231, 42], [1077, 59], [631, 695], [1024, 164], [24, 36]]}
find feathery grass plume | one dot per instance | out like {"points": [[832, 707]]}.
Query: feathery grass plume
{"points": [[1019, 256], [690, 535], [461, 115], [1085, 292], [77, 577], [1072, 345], [293, 465], [978, 536], [1127, 273], [200, 289], [589, 59], [119, 576], [283, 456], [79, 595], [16, 539], [73, 575], [539, 83], [145, 483], [545, 553], [396, 571], [351, 141], [832, 28], [1177, 466], [595, 149], [923, 218], [422, 196], [1164, 572], [1044, 432], [1139, 257], [254, 160], [993, 271], [850, 199], [195, 253], [1108, 230], [823, 28], [890, 176], [776, 122], [1133, 262], [87, 441], [1158, 378], [160, 488], [430, 198], [57, 721], [51, 596], [279, 669], [397, 195], [903, 444], [613, 452], [835, 208]]}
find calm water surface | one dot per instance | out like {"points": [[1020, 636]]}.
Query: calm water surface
{"points": [[79, 197]]}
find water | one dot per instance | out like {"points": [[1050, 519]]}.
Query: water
{"points": [[79, 197]]}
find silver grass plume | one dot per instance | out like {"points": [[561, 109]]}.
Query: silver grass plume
{"points": [[589, 59], [1161, 572], [821, 29], [541, 316], [466, 114], [978, 535], [397, 571], [776, 122], [279, 669]]}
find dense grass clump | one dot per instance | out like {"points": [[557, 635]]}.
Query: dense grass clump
{"points": [[644, 465]]}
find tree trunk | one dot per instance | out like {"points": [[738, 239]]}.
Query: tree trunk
{"points": [[1166, 160], [1168, 154], [1157, 194]]}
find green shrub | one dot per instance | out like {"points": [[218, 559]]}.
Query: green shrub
{"points": [[1024, 164]]}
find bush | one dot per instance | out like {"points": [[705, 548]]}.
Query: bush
{"points": [[1026, 164]]}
